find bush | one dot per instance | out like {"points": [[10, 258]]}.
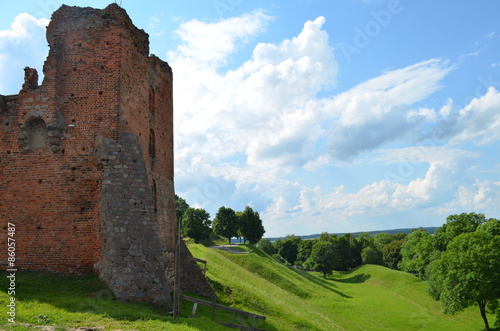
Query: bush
{"points": [[267, 246]]}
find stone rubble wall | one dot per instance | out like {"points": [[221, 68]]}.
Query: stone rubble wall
{"points": [[132, 262]]}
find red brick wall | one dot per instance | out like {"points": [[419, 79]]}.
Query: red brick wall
{"points": [[100, 85], [53, 197]]}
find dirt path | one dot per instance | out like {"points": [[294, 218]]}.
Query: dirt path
{"points": [[230, 249]]}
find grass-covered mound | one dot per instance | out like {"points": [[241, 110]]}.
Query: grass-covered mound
{"points": [[368, 298]]}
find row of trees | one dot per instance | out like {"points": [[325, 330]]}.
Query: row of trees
{"points": [[340, 253], [196, 223], [461, 261]]}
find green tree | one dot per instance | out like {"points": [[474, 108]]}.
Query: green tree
{"points": [[289, 248], [267, 246], [391, 254], [365, 239], [180, 207], [196, 224], [417, 252], [324, 236], [456, 225], [492, 227], [239, 234], [250, 226], [343, 257], [323, 257], [277, 244], [353, 251], [399, 236], [225, 223], [370, 255], [305, 249], [381, 239], [468, 273]]}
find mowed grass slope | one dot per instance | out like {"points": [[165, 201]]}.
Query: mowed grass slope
{"points": [[368, 298], [65, 301]]}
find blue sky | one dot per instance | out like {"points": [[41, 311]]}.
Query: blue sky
{"points": [[335, 116]]}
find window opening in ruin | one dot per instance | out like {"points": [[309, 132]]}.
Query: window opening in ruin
{"points": [[152, 101], [152, 144], [37, 133], [155, 203]]}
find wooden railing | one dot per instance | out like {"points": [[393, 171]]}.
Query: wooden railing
{"points": [[235, 312]]}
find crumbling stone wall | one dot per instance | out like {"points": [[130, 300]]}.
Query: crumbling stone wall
{"points": [[131, 260], [87, 159]]}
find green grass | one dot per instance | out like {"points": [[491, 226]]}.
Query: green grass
{"points": [[77, 301], [368, 298]]}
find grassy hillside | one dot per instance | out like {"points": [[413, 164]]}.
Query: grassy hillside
{"points": [[368, 298], [83, 301]]}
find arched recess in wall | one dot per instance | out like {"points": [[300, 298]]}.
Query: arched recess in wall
{"points": [[155, 200], [152, 101], [37, 133], [152, 146]]}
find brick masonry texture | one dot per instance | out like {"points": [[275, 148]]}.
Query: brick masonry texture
{"points": [[86, 162]]}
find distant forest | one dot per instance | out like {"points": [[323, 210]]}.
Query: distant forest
{"points": [[430, 230]]}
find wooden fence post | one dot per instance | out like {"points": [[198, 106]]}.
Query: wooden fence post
{"points": [[235, 312], [213, 309], [195, 305]]}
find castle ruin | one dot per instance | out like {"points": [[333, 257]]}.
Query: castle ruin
{"points": [[86, 160]]}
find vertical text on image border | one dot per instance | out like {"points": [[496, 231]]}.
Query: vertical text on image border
{"points": [[11, 271]]}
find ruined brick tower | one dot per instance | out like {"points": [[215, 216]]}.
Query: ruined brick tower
{"points": [[87, 160]]}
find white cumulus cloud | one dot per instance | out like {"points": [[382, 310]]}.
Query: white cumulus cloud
{"points": [[479, 121], [22, 45], [379, 110], [438, 187], [261, 115], [248, 133], [209, 44]]}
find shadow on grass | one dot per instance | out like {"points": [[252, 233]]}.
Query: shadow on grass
{"points": [[358, 279], [320, 282], [81, 294]]}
